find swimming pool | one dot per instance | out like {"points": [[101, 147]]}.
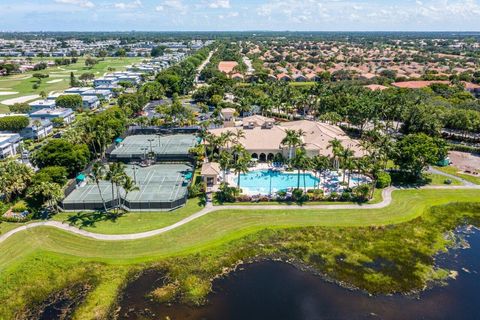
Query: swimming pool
{"points": [[268, 181]]}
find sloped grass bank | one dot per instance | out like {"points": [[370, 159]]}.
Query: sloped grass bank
{"points": [[380, 250]]}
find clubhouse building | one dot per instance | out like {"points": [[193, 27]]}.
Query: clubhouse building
{"points": [[263, 136]]}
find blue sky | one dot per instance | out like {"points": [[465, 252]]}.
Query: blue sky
{"points": [[204, 15]]}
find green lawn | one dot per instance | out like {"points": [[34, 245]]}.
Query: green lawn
{"points": [[439, 180], [131, 222], [39, 261], [59, 77], [456, 172], [222, 226], [7, 226]]}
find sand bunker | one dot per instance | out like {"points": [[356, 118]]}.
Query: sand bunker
{"points": [[11, 102], [55, 81], [7, 93]]}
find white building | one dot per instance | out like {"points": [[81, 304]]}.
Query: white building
{"points": [[66, 114], [41, 104], [9, 143]]}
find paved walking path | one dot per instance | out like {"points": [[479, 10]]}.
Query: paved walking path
{"points": [[386, 201]]}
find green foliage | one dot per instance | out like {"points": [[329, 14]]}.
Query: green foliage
{"points": [[132, 103], [416, 151], [46, 194], [383, 179], [13, 123], [20, 108], [60, 152], [152, 90], [157, 51], [19, 207], [56, 174], [14, 178], [226, 193], [72, 101]]}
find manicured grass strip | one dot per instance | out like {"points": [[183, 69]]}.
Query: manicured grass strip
{"points": [[456, 172], [130, 222], [439, 180]]}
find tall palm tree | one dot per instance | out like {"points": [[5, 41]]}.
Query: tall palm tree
{"points": [[292, 140], [299, 162], [345, 159], [336, 147], [115, 174], [321, 164], [242, 158], [97, 174], [128, 185], [239, 134], [225, 160]]}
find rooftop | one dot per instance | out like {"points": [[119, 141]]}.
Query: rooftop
{"points": [[227, 66]]}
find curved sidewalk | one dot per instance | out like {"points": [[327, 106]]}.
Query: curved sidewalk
{"points": [[386, 201]]}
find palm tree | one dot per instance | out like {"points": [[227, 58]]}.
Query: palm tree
{"points": [[240, 165], [97, 174], [321, 164], [337, 148], [225, 161], [299, 162], [292, 139], [50, 193], [115, 174], [345, 158], [239, 134], [128, 185]]}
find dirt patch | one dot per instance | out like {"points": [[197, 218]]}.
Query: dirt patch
{"points": [[466, 162]]}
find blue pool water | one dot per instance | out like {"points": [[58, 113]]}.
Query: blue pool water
{"points": [[265, 181]]}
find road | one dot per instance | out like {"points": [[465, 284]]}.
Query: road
{"points": [[203, 65]]}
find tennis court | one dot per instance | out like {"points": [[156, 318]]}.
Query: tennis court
{"points": [[161, 186], [163, 146]]}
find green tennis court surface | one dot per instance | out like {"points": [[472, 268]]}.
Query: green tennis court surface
{"points": [[160, 184], [138, 146]]}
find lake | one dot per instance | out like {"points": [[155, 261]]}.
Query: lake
{"points": [[276, 290]]}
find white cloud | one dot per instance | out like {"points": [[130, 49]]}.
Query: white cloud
{"points": [[128, 5], [215, 4], [79, 3], [172, 5]]}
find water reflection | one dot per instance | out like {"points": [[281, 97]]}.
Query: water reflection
{"points": [[274, 290]]}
